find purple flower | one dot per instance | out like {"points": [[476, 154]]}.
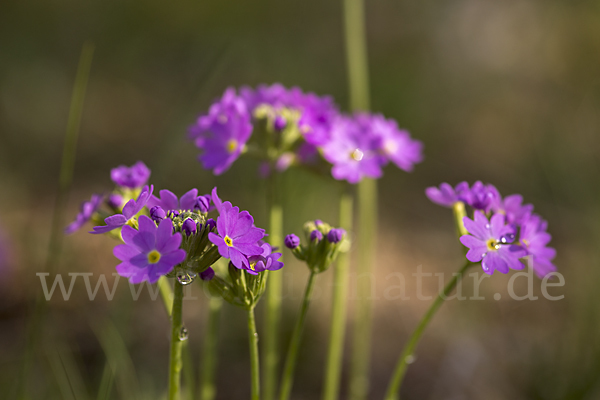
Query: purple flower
{"points": [[168, 201], [535, 239], [129, 211], [486, 245], [150, 252], [316, 235], [291, 241], [446, 195], [512, 206], [237, 237], [189, 226], [335, 235], [132, 177], [115, 201], [353, 152], [394, 143], [207, 274], [267, 261], [222, 134], [88, 208], [157, 214]]}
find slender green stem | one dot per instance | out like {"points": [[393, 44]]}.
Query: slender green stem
{"points": [[56, 233], [274, 288], [361, 331], [407, 354], [358, 83], [254, 363], [333, 368], [176, 343], [292, 354], [188, 371], [208, 388]]}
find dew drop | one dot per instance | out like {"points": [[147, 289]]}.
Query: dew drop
{"points": [[410, 359], [183, 334], [185, 278]]}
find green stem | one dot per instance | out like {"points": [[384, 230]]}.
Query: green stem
{"points": [[176, 342], [166, 293], [254, 363], [358, 83], [407, 354], [208, 389], [56, 233], [274, 288], [188, 371], [292, 354], [367, 239], [338, 318]]}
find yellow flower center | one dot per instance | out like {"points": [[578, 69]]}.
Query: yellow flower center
{"points": [[252, 265], [153, 257], [492, 244], [357, 155], [525, 242], [232, 145], [228, 241]]}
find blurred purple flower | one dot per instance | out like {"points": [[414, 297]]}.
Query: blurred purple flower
{"points": [[237, 237], [222, 134], [353, 152], [132, 177], [207, 274], [129, 211], [88, 208], [512, 206], [485, 244], [150, 252], [481, 197], [446, 195], [394, 143], [291, 241]]}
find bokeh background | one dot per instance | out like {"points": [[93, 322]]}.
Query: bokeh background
{"points": [[505, 92]]}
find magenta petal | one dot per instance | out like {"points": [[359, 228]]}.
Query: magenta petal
{"points": [[116, 220], [476, 229], [169, 200], [243, 224], [497, 226], [164, 232], [238, 259], [145, 241], [249, 249], [174, 257], [493, 262], [147, 225], [253, 236], [127, 234], [216, 200], [188, 200]]}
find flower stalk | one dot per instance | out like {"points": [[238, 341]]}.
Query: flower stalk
{"points": [[273, 312], [407, 356], [292, 354], [338, 318], [208, 362], [176, 342], [254, 362]]}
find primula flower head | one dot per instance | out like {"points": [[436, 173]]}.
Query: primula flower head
{"points": [[129, 211], [237, 238], [481, 197], [487, 243], [222, 134], [394, 143], [88, 208], [132, 177], [150, 252], [512, 206]]}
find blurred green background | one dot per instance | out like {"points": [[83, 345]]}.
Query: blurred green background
{"points": [[505, 92]]}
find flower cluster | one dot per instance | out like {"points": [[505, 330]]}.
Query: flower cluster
{"points": [[292, 127], [170, 235], [503, 229], [323, 245]]}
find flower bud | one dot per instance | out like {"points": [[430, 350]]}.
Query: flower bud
{"points": [[189, 226], [279, 123], [157, 214], [316, 235], [211, 224], [291, 241], [335, 235], [207, 274], [202, 203]]}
